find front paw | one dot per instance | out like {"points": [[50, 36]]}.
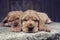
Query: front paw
{"points": [[15, 30], [44, 29]]}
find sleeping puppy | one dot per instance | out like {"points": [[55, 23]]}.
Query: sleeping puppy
{"points": [[13, 20], [31, 22]]}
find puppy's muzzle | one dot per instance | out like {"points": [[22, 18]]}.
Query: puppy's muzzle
{"points": [[30, 28], [16, 24]]}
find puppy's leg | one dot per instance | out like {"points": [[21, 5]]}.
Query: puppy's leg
{"points": [[43, 27], [15, 29], [48, 20], [24, 29], [35, 29]]}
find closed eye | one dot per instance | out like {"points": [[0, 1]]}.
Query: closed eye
{"points": [[11, 20], [16, 18], [35, 20], [25, 20]]}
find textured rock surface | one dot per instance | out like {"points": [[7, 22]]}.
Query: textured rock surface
{"points": [[5, 34]]}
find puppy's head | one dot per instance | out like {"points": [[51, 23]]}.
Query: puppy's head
{"points": [[14, 16], [30, 21], [14, 20]]}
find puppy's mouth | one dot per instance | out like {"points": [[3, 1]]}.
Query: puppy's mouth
{"points": [[30, 29]]}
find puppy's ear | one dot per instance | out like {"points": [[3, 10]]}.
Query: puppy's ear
{"points": [[5, 20], [42, 26], [20, 20]]}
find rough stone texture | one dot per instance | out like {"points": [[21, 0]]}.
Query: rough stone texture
{"points": [[5, 33]]}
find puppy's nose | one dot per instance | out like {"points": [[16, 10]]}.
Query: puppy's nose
{"points": [[16, 24], [30, 28]]}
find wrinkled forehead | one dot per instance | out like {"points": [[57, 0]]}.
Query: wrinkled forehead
{"points": [[30, 15]]}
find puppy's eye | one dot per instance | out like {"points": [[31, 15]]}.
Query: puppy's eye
{"points": [[35, 20], [16, 18], [11, 20], [25, 20]]}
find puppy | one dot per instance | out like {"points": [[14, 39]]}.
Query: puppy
{"points": [[13, 20], [31, 22]]}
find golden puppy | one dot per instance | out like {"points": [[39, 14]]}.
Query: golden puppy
{"points": [[13, 20], [31, 22]]}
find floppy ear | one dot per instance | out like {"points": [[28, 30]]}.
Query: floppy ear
{"points": [[5, 20], [20, 20], [42, 26]]}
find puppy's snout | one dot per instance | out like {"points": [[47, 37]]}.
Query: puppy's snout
{"points": [[30, 28], [16, 24]]}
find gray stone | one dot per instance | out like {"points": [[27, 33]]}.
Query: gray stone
{"points": [[5, 33]]}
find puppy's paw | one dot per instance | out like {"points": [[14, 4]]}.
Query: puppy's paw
{"points": [[15, 30], [45, 29]]}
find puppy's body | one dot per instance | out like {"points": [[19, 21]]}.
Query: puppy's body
{"points": [[44, 17], [31, 22]]}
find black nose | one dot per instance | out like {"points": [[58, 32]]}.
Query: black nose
{"points": [[16, 24], [30, 28]]}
